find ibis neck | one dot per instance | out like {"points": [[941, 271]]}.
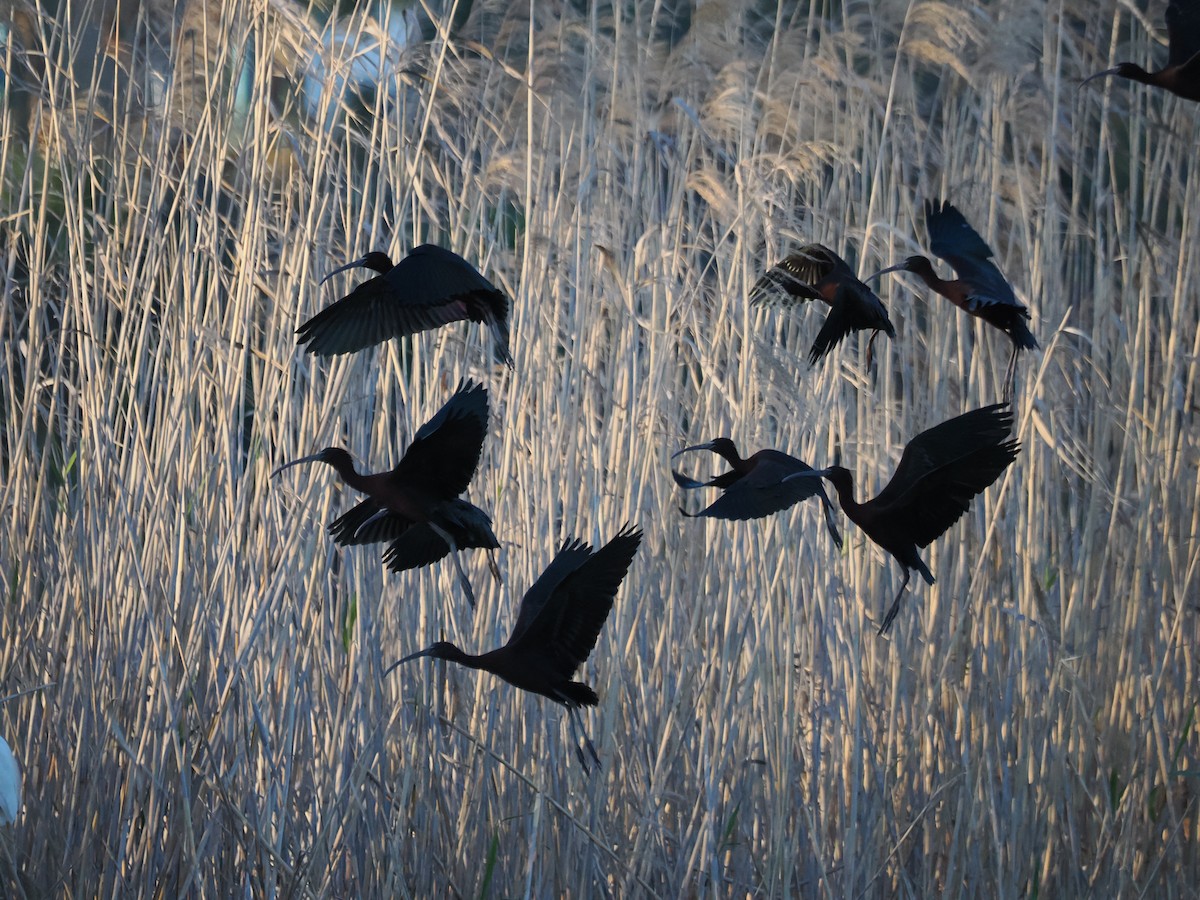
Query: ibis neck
{"points": [[730, 455], [470, 660], [931, 279], [345, 469], [845, 491]]}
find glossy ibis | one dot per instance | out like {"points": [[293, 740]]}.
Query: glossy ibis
{"points": [[557, 626], [416, 505], [940, 471], [1182, 74], [980, 289], [429, 288], [756, 486], [815, 272]]}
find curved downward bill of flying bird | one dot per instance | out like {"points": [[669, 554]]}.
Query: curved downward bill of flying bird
{"points": [[418, 503], [427, 289], [312, 457]]}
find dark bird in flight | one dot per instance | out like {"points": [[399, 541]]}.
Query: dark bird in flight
{"points": [[980, 290], [815, 272], [940, 472], [1182, 73], [429, 288], [556, 629], [416, 506], [756, 486]]}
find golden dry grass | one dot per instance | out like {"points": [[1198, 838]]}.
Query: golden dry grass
{"points": [[190, 671]]}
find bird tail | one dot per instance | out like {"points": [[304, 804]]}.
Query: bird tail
{"points": [[577, 693], [1023, 339], [1021, 336]]}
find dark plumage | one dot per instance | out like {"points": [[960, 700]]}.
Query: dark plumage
{"points": [[815, 272], [1181, 76], [756, 486], [940, 472], [980, 290], [557, 627], [429, 288], [416, 505]]}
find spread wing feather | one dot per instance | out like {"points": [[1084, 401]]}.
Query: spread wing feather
{"points": [[562, 613]]}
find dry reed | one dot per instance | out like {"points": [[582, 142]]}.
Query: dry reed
{"points": [[191, 671]]}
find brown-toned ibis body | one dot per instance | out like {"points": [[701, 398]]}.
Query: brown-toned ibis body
{"points": [[757, 485], [979, 290], [557, 627], [417, 505], [940, 472], [429, 288], [1182, 73], [814, 272]]}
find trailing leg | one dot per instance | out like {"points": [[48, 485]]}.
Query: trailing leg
{"points": [[462, 573], [895, 607]]}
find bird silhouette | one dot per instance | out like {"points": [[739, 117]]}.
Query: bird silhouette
{"points": [[940, 472], [416, 505], [1181, 75], [756, 486], [980, 290], [429, 288], [814, 272], [557, 626]]}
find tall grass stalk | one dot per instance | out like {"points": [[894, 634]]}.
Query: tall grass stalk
{"points": [[176, 686]]}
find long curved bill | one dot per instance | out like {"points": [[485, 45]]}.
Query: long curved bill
{"points": [[426, 652], [356, 264], [315, 457], [1106, 72], [705, 446], [682, 480], [897, 268]]}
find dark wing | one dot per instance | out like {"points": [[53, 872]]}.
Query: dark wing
{"points": [[951, 238], [797, 275], [855, 308], [443, 456], [763, 490], [1183, 30], [943, 468], [432, 277], [562, 614], [348, 531], [417, 547], [468, 525], [429, 288]]}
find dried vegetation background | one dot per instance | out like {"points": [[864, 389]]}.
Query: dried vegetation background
{"points": [[190, 671]]}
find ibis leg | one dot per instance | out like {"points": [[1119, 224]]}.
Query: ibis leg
{"points": [[577, 724], [462, 573], [870, 347], [1010, 375], [895, 607], [576, 743]]}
